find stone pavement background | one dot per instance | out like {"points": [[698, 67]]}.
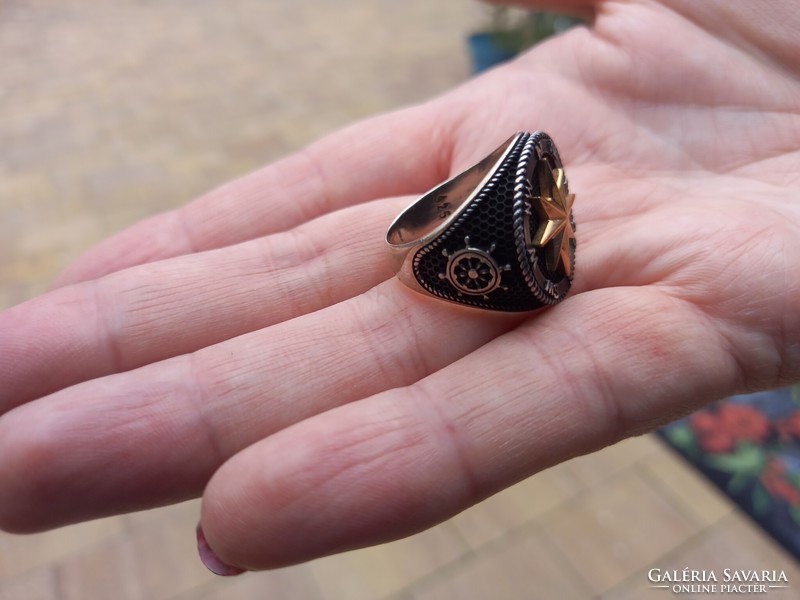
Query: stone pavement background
{"points": [[111, 111]]}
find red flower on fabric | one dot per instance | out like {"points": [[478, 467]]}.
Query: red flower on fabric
{"points": [[718, 432], [711, 436], [790, 427], [743, 422], [775, 482]]}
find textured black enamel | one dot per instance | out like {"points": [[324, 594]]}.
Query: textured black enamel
{"points": [[493, 224]]}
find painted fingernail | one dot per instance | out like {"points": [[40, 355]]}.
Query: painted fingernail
{"points": [[210, 560]]}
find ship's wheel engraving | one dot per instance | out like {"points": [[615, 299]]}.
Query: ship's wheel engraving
{"points": [[473, 271]]}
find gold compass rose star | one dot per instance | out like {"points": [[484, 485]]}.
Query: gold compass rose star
{"points": [[553, 208]]}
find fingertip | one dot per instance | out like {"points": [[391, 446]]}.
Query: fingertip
{"points": [[210, 559], [348, 478]]}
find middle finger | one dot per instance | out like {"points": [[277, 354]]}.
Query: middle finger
{"points": [[159, 310], [156, 434]]}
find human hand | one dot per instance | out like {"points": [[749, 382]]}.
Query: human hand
{"points": [[255, 345]]}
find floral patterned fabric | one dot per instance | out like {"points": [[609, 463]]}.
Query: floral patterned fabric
{"points": [[749, 446]]}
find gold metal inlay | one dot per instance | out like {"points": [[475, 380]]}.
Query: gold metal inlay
{"points": [[553, 208]]}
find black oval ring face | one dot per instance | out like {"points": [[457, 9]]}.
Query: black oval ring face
{"points": [[511, 246]]}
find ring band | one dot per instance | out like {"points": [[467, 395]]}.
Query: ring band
{"points": [[499, 236]]}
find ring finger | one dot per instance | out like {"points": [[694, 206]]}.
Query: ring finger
{"points": [[155, 311]]}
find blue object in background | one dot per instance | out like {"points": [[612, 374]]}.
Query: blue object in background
{"points": [[486, 52]]}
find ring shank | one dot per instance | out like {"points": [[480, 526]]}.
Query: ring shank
{"points": [[431, 213]]}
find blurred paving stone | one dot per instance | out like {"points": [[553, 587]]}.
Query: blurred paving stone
{"points": [[114, 111], [40, 584]]}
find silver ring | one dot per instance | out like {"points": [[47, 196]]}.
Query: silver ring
{"points": [[499, 236]]}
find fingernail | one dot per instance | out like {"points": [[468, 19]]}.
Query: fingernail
{"points": [[210, 560]]}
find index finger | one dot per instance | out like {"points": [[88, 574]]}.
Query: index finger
{"points": [[393, 154]]}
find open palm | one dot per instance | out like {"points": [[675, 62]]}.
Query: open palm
{"points": [[254, 344]]}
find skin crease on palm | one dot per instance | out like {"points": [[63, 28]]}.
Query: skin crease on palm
{"points": [[253, 346]]}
